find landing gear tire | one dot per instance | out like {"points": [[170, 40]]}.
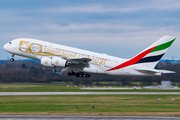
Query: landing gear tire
{"points": [[72, 73], [77, 74], [12, 59], [81, 75], [69, 74], [88, 75], [85, 75]]}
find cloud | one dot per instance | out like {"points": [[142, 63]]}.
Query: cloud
{"points": [[127, 8], [100, 7], [91, 9], [165, 4], [95, 26]]}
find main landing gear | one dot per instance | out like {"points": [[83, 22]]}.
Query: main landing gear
{"points": [[79, 74], [12, 59]]}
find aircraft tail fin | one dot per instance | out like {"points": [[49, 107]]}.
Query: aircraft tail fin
{"points": [[155, 52], [151, 55]]}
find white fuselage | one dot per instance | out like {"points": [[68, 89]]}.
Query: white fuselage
{"points": [[100, 63]]}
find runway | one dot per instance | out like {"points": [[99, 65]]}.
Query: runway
{"points": [[40, 117], [88, 93]]}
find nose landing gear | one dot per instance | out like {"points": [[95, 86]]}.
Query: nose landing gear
{"points": [[12, 59]]}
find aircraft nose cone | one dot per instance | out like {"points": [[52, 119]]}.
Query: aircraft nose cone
{"points": [[5, 47]]}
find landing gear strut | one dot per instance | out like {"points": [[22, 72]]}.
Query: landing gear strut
{"points": [[54, 70], [78, 74], [12, 59]]}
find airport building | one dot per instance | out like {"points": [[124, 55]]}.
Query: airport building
{"points": [[165, 84]]}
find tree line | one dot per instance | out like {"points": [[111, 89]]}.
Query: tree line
{"points": [[33, 72]]}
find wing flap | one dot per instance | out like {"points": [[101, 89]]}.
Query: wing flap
{"points": [[79, 63], [80, 59]]}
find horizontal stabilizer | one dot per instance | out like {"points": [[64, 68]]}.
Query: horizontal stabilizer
{"points": [[149, 70], [167, 71]]}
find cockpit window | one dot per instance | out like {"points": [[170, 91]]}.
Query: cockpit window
{"points": [[10, 42]]}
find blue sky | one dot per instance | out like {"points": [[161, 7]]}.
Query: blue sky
{"points": [[120, 28]]}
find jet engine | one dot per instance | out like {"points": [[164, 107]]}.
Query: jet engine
{"points": [[45, 61], [59, 62], [54, 62]]}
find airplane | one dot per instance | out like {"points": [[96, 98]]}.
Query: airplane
{"points": [[85, 62]]}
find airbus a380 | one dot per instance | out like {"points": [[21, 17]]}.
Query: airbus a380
{"points": [[85, 62]]}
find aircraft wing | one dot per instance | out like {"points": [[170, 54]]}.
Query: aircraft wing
{"points": [[78, 63], [149, 70], [79, 60]]}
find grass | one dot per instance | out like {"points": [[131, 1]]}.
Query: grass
{"points": [[104, 105], [56, 88], [125, 105]]}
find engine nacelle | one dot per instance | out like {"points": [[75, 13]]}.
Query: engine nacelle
{"points": [[59, 62], [47, 62]]}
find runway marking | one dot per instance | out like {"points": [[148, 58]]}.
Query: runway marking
{"points": [[88, 93], [36, 117]]}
